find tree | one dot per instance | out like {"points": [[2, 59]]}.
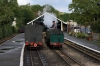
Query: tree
{"points": [[85, 11], [5, 12], [88, 12], [65, 17]]}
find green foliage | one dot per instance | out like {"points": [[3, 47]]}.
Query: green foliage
{"points": [[7, 30], [65, 17], [89, 37], [70, 33], [85, 11], [1, 33], [27, 16], [14, 29], [36, 8], [9, 9], [83, 35], [96, 26], [6, 13], [80, 35]]}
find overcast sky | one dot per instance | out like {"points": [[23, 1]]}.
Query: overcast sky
{"points": [[61, 5]]}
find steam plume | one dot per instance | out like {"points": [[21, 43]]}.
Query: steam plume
{"points": [[49, 18]]}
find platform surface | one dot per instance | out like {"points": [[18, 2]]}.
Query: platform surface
{"points": [[91, 44], [10, 51]]}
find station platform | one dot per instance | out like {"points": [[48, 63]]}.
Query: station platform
{"points": [[93, 45], [10, 51]]}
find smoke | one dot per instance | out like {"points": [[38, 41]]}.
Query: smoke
{"points": [[47, 8], [39, 13], [50, 17]]}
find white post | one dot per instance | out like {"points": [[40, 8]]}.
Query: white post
{"points": [[61, 26], [14, 22], [32, 23], [14, 18], [67, 27]]}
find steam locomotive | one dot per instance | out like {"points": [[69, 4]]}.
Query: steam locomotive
{"points": [[54, 38], [33, 36]]}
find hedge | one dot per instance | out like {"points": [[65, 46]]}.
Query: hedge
{"points": [[1, 33], [7, 30]]}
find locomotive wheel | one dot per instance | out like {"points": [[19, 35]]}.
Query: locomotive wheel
{"points": [[52, 47], [28, 48], [60, 47]]}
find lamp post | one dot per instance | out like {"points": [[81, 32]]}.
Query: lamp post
{"points": [[69, 26], [73, 26]]}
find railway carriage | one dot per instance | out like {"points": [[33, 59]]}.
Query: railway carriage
{"points": [[33, 36], [54, 38], [22, 29]]}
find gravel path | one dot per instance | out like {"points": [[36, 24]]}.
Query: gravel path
{"points": [[51, 57], [80, 57]]}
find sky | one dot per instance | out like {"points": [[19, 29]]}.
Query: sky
{"points": [[60, 5]]}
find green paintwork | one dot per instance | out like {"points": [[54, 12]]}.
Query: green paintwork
{"points": [[55, 35], [57, 38]]}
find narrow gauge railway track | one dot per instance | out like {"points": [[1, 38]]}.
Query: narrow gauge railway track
{"points": [[89, 52], [34, 58], [68, 59]]}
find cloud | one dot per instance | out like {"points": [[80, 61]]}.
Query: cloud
{"points": [[23, 2], [61, 5]]}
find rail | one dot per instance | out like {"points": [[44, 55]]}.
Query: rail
{"points": [[84, 50], [68, 59]]}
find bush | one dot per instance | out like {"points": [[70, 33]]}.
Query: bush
{"points": [[5, 31], [14, 29], [8, 30], [83, 35], [88, 37], [80, 35], [1, 33], [72, 33]]}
